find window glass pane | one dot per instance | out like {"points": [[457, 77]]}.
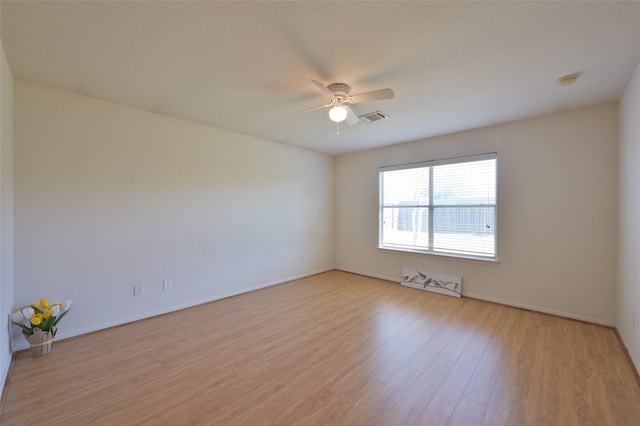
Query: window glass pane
{"points": [[407, 187], [465, 183], [468, 220], [405, 226], [464, 230]]}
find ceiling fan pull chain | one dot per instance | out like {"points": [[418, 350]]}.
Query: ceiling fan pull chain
{"points": [[337, 128]]}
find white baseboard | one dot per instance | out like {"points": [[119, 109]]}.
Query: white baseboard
{"points": [[539, 309], [22, 344], [635, 360], [367, 274], [5, 373], [500, 301]]}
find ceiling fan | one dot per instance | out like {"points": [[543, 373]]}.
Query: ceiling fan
{"points": [[339, 100]]}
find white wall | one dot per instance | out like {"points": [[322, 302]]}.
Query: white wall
{"points": [[6, 213], [628, 303], [556, 215], [107, 196]]}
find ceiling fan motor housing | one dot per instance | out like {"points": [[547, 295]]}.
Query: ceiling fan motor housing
{"points": [[339, 89]]}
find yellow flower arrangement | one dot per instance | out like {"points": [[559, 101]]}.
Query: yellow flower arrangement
{"points": [[43, 316]]}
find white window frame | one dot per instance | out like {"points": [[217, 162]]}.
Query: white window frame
{"points": [[431, 207]]}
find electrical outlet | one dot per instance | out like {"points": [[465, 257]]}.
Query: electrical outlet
{"points": [[138, 289], [167, 285]]}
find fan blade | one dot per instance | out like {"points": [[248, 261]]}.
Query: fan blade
{"points": [[376, 95], [322, 87], [352, 117], [310, 109]]}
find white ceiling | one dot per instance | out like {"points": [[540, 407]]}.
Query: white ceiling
{"points": [[245, 66]]}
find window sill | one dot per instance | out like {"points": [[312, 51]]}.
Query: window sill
{"points": [[450, 257]]}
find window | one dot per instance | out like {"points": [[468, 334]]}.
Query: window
{"points": [[441, 207]]}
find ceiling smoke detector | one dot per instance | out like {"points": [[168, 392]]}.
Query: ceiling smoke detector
{"points": [[568, 80], [374, 116]]}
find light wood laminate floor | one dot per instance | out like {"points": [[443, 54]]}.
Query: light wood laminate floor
{"points": [[332, 349]]}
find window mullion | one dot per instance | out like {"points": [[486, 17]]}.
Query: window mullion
{"points": [[430, 210]]}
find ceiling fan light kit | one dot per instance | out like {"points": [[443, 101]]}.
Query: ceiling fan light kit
{"points": [[338, 113]]}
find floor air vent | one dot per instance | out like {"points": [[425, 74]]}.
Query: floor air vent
{"points": [[374, 116]]}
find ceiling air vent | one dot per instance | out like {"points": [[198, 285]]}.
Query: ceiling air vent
{"points": [[374, 116]]}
